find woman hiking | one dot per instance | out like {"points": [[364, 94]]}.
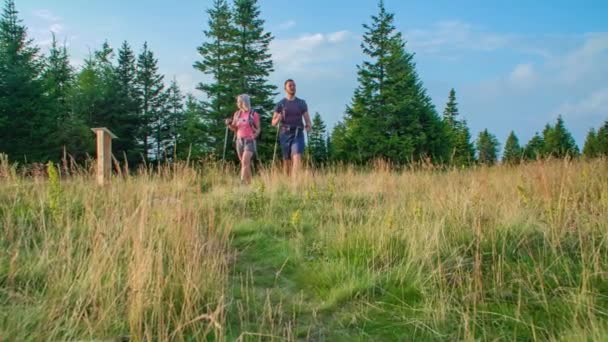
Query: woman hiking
{"points": [[245, 122]]}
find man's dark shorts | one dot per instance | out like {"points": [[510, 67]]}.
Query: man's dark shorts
{"points": [[292, 141]]}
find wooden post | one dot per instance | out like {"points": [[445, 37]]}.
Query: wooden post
{"points": [[104, 154]]}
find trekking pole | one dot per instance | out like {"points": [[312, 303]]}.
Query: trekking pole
{"points": [[225, 144], [276, 141], [309, 161], [256, 155]]}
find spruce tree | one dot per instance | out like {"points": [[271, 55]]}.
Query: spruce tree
{"points": [[58, 79], [102, 92], [67, 128], [317, 143], [390, 115], [193, 138], [535, 148], [329, 146], [465, 149], [99, 101], [558, 140], [253, 65], [87, 93], [602, 140], [217, 62], [462, 150], [450, 113], [152, 98], [338, 147], [127, 72], [512, 153], [174, 117], [590, 149], [487, 148], [127, 105], [23, 125]]}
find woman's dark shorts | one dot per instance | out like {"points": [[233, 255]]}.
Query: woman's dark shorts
{"points": [[245, 144]]}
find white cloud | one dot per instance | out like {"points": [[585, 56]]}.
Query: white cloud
{"points": [[580, 67], [46, 15], [586, 61], [46, 24], [452, 39], [56, 28], [287, 25], [449, 37], [312, 39], [339, 36], [571, 83], [301, 53], [595, 104], [523, 75]]}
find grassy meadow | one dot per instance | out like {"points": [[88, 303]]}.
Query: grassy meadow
{"points": [[187, 253]]}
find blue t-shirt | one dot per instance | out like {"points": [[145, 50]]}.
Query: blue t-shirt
{"points": [[292, 111]]}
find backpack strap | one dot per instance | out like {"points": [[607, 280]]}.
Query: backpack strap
{"points": [[252, 121], [282, 106], [236, 116]]}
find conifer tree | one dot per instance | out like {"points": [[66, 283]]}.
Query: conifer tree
{"points": [[535, 148], [23, 126], [487, 148], [596, 143], [99, 98], [339, 143], [590, 149], [99, 89], [253, 65], [450, 113], [127, 105], [317, 143], [193, 138], [602, 140], [512, 153], [58, 79], [217, 62], [174, 118], [558, 140], [390, 115], [329, 146], [67, 129], [462, 150], [152, 98]]}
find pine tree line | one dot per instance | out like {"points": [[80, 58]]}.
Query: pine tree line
{"points": [[47, 106], [554, 142], [596, 143]]}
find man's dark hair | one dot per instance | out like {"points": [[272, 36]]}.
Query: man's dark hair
{"points": [[287, 81]]}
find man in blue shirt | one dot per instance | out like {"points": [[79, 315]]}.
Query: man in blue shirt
{"points": [[288, 114]]}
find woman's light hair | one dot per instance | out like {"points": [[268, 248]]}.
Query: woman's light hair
{"points": [[244, 102]]}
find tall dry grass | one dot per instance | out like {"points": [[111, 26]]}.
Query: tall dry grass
{"points": [[178, 253], [141, 259]]}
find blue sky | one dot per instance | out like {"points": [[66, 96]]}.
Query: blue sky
{"points": [[515, 65]]}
